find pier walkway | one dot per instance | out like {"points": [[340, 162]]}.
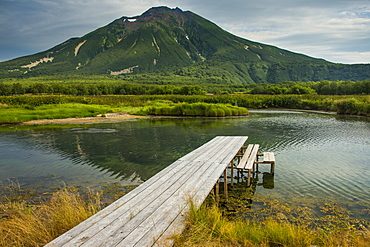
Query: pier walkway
{"points": [[151, 213]]}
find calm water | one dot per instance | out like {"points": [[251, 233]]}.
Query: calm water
{"points": [[319, 156]]}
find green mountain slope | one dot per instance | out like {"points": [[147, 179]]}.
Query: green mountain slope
{"points": [[183, 43]]}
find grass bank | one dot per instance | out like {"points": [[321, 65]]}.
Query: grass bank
{"points": [[32, 107], [26, 108], [209, 227], [25, 221]]}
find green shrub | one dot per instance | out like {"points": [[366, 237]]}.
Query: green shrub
{"points": [[198, 109], [350, 106]]}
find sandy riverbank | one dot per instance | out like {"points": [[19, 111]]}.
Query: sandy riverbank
{"points": [[111, 117]]}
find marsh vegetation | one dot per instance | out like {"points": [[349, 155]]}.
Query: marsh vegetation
{"points": [[27, 219]]}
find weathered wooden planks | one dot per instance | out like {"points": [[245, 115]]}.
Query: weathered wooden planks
{"points": [[248, 160], [155, 210], [252, 158], [245, 157], [268, 158]]}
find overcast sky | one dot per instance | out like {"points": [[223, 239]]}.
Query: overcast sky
{"points": [[336, 30]]}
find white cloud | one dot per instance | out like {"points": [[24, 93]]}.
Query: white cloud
{"points": [[336, 30], [335, 35], [351, 57]]}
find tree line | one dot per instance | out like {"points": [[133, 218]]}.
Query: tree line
{"points": [[7, 89], [122, 87], [320, 87]]}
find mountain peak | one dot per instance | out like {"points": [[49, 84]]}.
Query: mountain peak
{"points": [[161, 9], [175, 41], [154, 13]]}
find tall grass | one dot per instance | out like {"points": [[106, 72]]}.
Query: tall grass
{"points": [[25, 224], [208, 227], [354, 105], [196, 109]]}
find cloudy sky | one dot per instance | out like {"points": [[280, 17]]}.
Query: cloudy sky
{"points": [[336, 30]]}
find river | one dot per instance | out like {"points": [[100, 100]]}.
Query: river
{"points": [[320, 156]]}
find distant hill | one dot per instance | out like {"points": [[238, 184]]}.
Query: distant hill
{"points": [[172, 41]]}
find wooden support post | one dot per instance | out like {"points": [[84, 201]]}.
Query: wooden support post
{"points": [[272, 171], [225, 185], [232, 173], [217, 191], [249, 178]]}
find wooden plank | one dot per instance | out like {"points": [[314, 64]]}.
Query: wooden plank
{"points": [[200, 150], [179, 167], [189, 173], [234, 149], [179, 223], [154, 226], [268, 157], [198, 184], [100, 216], [245, 157], [166, 213], [94, 224], [208, 180], [252, 157], [131, 215], [107, 226], [140, 212], [202, 180]]}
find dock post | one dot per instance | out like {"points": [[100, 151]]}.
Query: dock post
{"points": [[217, 191], [232, 173], [225, 185]]}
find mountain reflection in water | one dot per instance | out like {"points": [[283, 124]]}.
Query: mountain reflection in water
{"points": [[319, 156]]}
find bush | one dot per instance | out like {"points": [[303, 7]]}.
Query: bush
{"points": [[198, 109], [352, 107]]}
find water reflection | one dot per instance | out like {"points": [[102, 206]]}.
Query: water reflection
{"points": [[267, 181], [319, 156], [129, 152]]}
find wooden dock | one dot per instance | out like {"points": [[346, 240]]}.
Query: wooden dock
{"points": [[151, 213]]}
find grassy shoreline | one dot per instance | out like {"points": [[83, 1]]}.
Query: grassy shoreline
{"points": [[208, 226], [25, 222], [16, 109]]}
